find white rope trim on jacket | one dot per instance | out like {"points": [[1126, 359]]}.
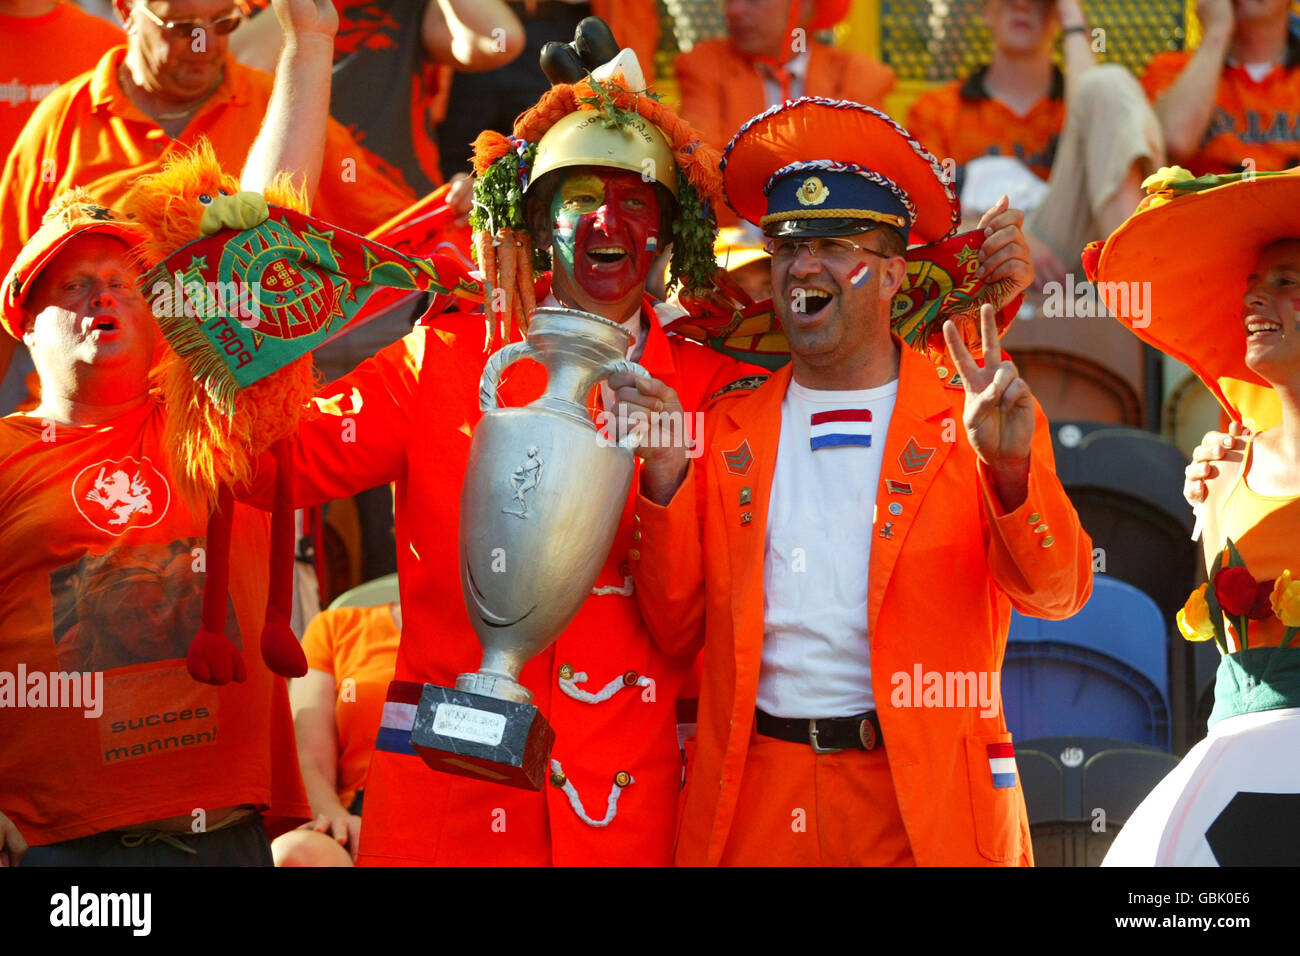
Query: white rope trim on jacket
{"points": [[624, 591], [568, 685], [575, 801]]}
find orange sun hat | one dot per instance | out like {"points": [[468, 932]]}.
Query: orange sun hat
{"points": [[1193, 298], [823, 163]]}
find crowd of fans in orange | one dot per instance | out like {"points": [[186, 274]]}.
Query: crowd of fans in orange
{"points": [[94, 100]]}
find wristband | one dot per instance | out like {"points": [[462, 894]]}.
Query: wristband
{"points": [[1077, 28]]}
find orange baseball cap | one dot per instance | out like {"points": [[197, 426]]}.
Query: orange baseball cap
{"points": [[73, 213]]}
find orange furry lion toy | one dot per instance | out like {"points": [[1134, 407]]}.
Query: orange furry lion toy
{"points": [[216, 445]]}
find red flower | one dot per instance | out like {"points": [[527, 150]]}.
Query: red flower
{"points": [[1240, 594]]}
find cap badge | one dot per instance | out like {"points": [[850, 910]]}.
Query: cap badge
{"points": [[812, 192]]}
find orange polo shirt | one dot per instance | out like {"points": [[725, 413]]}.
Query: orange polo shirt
{"points": [[357, 644], [961, 122], [1252, 120], [39, 54], [88, 133]]}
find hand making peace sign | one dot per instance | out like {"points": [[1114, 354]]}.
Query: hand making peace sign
{"points": [[999, 414]]}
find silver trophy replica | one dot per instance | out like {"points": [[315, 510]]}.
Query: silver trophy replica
{"points": [[539, 509]]}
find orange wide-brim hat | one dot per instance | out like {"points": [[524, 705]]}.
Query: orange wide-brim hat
{"points": [[1188, 251], [814, 144]]}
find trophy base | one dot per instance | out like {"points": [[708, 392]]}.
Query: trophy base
{"points": [[472, 735]]}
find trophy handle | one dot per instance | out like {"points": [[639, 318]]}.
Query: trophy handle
{"points": [[628, 441], [500, 360]]}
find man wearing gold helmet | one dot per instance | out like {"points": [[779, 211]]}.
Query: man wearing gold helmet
{"points": [[605, 199]]}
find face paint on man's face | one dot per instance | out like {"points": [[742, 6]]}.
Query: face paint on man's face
{"points": [[605, 231]]}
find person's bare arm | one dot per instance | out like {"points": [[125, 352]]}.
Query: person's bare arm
{"points": [[1186, 108], [1076, 46], [292, 137], [471, 35], [257, 42], [312, 699]]}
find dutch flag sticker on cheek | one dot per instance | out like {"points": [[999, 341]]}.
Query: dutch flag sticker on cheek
{"points": [[651, 243], [860, 276], [1002, 761]]}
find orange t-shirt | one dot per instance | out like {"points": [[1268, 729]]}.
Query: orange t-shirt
{"points": [[103, 580], [961, 122], [41, 53], [357, 644], [1252, 120], [88, 133]]}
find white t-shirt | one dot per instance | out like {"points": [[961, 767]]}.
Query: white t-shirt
{"points": [[816, 649]]}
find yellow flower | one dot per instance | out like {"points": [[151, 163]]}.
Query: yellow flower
{"points": [[1164, 177], [1286, 599], [1194, 619]]}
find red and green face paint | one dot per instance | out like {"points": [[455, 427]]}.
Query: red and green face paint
{"points": [[605, 230]]}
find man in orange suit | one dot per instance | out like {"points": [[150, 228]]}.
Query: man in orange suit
{"points": [[846, 551], [768, 57]]}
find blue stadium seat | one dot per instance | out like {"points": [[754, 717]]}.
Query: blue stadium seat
{"points": [[1102, 673], [1080, 791]]}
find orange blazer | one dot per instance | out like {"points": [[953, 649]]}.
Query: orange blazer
{"points": [[721, 89], [944, 576]]}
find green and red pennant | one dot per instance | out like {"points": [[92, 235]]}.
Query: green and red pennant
{"points": [[941, 284], [237, 306]]}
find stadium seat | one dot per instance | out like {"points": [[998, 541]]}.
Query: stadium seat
{"points": [[370, 594], [1080, 791], [1101, 673]]}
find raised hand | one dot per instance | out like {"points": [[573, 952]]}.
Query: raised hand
{"points": [[301, 18], [1006, 252], [999, 414], [1215, 446]]}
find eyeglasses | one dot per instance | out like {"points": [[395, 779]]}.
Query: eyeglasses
{"points": [[185, 29], [826, 248]]}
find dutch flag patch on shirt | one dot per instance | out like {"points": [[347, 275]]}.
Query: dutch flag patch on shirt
{"points": [[1002, 762], [844, 426]]}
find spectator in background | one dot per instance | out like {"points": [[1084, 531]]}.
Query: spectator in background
{"points": [[337, 707], [740, 251], [1237, 98], [164, 90], [393, 62], [167, 87], [768, 56], [1072, 149], [46, 43], [492, 100]]}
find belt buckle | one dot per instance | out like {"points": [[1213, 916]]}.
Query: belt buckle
{"points": [[812, 739]]}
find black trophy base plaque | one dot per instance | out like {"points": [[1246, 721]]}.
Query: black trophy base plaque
{"points": [[500, 741]]}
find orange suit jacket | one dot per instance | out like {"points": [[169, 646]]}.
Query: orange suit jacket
{"points": [[721, 89], [943, 580]]}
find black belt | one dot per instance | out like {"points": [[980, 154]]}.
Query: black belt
{"points": [[825, 734]]}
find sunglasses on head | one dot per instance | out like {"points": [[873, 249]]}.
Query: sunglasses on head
{"points": [[185, 29]]}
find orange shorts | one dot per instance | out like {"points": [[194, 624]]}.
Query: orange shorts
{"points": [[801, 808]]}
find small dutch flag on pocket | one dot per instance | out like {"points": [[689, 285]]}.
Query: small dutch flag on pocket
{"points": [[1002, 762]]}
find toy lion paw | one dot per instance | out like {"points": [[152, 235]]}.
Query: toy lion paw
{"points": [[280, 648], [214, 659]]}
